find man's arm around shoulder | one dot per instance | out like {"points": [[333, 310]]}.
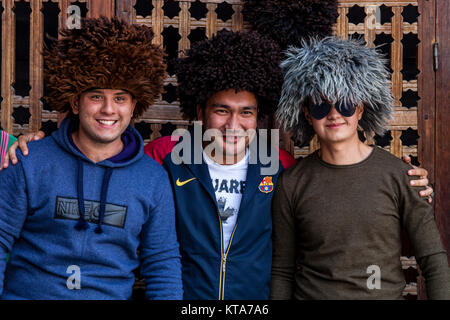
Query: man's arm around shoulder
{"points": [[287, 160], [418, 219]]}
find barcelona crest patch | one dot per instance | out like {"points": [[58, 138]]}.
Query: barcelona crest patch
{"points": [[266, 185]]}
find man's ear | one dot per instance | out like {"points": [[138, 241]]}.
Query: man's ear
{"points": [[133, 105], [75, 104], [307, 114], [360, 111], [199, 113]]}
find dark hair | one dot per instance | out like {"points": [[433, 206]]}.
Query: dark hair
{"points": [[289, 21], [104, 53], [244, 61]]}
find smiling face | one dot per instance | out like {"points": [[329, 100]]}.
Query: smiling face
{"points": [[104, 115], [235, 115], [334, 127]]}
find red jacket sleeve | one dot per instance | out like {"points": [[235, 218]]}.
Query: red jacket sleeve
{"points": [[159, 148], [286, 159]]}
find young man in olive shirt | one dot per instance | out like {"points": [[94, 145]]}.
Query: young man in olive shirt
{"points": [[338, 214]]}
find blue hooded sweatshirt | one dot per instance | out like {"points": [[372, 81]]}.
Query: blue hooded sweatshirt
{"points": [[128, 221]]}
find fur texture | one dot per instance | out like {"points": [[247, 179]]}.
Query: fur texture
{"points": [[289, 21], [334, 69], [230, 60], [108, 54]]}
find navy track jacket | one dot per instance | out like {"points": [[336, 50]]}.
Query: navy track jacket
{"points": [[243, 271]]}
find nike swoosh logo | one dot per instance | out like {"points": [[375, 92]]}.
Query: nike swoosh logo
{"points": [[180, 184]]}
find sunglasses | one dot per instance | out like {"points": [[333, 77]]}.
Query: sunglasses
{"points": [[321, 110]]}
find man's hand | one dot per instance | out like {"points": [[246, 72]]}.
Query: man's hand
{"points": [[22, 144], [422, 182]]}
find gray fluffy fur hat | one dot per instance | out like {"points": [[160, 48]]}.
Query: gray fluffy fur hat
{"points": [[336, 70]]}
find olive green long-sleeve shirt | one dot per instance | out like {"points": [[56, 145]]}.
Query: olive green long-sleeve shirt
{"points": [[337, 231]]}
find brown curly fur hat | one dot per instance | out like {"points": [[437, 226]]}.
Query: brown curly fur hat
{"points": [[104, 53]]}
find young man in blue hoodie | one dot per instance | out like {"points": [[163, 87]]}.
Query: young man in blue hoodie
{"points": [[104, 75]]}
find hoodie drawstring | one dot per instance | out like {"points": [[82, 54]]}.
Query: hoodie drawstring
{"points": [[103, 194], [82, 224]]}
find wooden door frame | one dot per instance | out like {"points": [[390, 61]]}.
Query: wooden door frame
{"points": [[442, 149]]}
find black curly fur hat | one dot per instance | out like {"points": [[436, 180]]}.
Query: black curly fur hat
{"points": [[104, 53], [289, 21], [244, 61]]}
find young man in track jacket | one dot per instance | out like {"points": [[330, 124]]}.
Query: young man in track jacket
{"points": [[222, 196]]}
